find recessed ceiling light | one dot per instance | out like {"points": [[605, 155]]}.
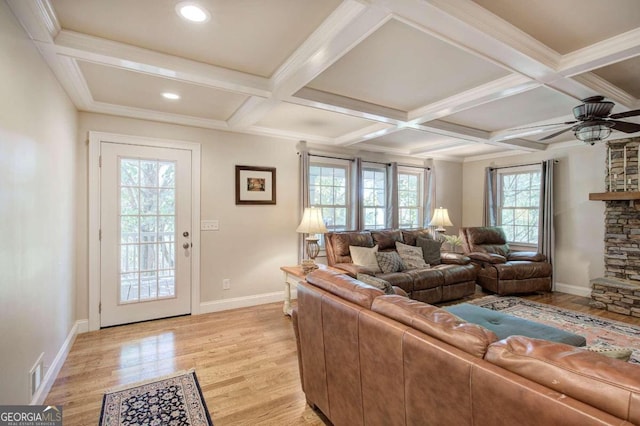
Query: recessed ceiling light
{"points": [[172, 96], [192, 12]]}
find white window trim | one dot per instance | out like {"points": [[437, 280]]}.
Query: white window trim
{"points": [[516, 246], [377, 168], [421, 182]]}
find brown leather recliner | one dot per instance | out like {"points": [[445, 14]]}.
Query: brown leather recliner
{"points": [[501, 270]]}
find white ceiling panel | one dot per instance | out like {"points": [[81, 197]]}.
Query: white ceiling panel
{"points": [[252, 36], [518, 110], [337, 71], [132, 89], [401, 67], [568, 25], [312, 121]]}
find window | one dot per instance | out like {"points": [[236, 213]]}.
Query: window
{"points": [[328, 190], [374, 184], [410, 199], [519, 204]]}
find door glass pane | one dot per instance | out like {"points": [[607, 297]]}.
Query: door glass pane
{"points": [[147, 230]]}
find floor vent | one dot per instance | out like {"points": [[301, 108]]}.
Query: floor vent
{"points": [[35, 375]]}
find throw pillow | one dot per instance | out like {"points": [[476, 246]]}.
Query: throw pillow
{"points": [[411, 256], [389, 261], [383, 285], [622, 354], [430, 250], [365, 256]]}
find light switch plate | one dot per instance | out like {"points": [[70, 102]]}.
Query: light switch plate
{"points": [[209, 225]]}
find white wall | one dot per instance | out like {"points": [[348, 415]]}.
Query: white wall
{"points": [[579, 223], [37, 211], [253, 241]]}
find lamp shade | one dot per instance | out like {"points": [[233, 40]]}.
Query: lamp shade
{"points": [[440, 219], [312, 222]]}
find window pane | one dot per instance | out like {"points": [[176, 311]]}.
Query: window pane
{"points": [[519, 205]]}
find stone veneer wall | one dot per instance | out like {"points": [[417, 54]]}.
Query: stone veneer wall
{"points": [[622, 218]]}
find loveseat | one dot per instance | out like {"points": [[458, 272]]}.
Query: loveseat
{"points": [[500, 269], [372, 359], [449, 276]]}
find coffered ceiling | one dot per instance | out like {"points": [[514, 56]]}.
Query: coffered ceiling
{"points": [[448, 79]]}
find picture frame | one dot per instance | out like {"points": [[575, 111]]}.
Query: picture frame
{"points": [[255, 185]]}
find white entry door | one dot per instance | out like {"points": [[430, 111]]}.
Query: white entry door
{"points": [[145, 223]]}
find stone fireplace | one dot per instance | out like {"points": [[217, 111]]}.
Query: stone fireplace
{"points": [[619, 290]]}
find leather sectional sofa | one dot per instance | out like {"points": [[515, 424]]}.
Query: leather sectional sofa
{"points": [[453, 278], [372, 359]]}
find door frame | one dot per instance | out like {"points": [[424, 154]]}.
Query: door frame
{"points": [[95, 139]]}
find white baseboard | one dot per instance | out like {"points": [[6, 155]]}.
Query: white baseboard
{"points": [[80, 326], [573, 289], [240, 302]]}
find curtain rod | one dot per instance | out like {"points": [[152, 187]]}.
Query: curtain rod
{"points": [[521, 165], [365, 161]]}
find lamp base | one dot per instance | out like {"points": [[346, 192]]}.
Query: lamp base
{"points": [[308, 265]]}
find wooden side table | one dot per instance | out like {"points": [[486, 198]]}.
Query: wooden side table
{"points": [[292, 276]]}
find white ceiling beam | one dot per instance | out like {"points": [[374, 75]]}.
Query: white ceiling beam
{"points": [[606, 52], [492, 91], [347, 26], [349, 106], [370, 132], [452, 130], [299, 136], [115, 54], [438, 147]]}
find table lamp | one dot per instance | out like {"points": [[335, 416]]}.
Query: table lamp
{"points": [[312, 224], [440, 219]]}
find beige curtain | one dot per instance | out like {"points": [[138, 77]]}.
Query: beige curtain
{"points": [[490, 205], [304, 192], [546, 232]]}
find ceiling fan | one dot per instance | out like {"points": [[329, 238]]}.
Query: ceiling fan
{"points": [[594, 122]]}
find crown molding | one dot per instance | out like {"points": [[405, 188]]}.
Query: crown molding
{"points": [[37, 18], [602, 87], [370, 132]]}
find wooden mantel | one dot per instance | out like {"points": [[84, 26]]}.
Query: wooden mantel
{"points": [[614, 196]]}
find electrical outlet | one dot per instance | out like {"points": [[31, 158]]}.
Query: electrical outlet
{"points": [[209, 225], [226, 284]]}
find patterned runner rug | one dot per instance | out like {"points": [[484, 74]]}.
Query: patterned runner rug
{"points": [[598, 331], [170, 400]]}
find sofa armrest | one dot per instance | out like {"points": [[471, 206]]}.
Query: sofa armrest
{"points": [[399, 291], [487, 257], [454, 258], [531, 256], [353, 270]]}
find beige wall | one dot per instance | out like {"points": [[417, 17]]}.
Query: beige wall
{"points": [[37, 211], [253, 241], [579, 223]]}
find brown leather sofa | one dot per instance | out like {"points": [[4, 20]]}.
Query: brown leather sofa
{"points": [[453, 278], [501, 270], [371, 359]]}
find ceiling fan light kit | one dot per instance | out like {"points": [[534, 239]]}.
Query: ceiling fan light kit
{"points": [[592, 133]]}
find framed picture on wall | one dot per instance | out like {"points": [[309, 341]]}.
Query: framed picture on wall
{"points": [[255, 185]]}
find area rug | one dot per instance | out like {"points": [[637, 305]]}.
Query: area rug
{"points": [[598, 331], [169, 400]]}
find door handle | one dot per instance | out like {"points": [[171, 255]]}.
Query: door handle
{"points": [[187, 245]]}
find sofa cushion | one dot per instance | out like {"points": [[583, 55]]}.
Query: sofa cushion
{"points": [[411, 256], [344, 286], [437, 323], [430, 250], [383, 285], [386, 239], [365, 256], [531, 256], [410, 236], [505, 325], [389, 261], [605, 383], [342, 241]]}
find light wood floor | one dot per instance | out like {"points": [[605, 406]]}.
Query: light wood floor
{"points": [[245, 361]]}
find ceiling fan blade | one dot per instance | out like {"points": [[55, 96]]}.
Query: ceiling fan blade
{"points": [[553, 135], [624, 126], [632, 113], [545, 125]]}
